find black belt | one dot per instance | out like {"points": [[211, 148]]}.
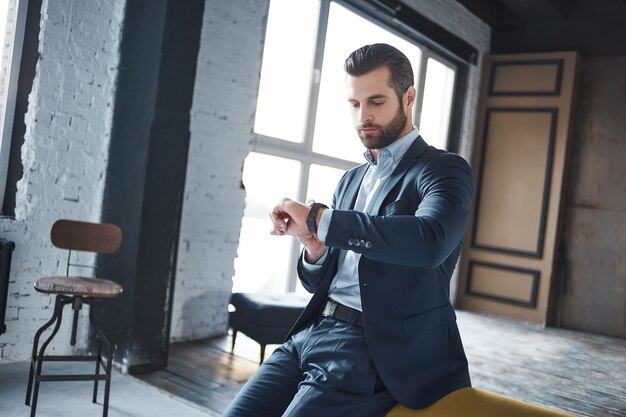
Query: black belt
{"points": [[343, 313]]}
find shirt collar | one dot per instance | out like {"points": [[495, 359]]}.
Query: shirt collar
{"points": [[397, 149]]}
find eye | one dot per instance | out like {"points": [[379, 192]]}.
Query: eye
{"points": [[378, 103], [354, 104]]}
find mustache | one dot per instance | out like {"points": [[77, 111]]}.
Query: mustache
{"points": [[368, 126]]}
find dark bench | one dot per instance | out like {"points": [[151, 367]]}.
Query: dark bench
{"points": [[265, 318]]}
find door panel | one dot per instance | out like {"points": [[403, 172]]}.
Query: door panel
{"points": [[521, 152], [515, 172]]}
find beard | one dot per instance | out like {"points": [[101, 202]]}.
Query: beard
{"points": [[386, 135]]}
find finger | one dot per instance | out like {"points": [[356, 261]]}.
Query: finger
{"points": [[279, 223]]}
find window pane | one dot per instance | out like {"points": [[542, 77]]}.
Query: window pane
{"points": [[322, 183], [437, 103], [263, 260], [334, 133], [287, 67]]}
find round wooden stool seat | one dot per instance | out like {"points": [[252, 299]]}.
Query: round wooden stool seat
{"points": [[80, 286]]}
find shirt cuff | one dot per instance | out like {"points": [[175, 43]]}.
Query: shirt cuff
{"points": [[322, 227], [317, 265]]}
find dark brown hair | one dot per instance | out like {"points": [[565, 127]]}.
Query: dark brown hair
{"points": [[370, 57]]}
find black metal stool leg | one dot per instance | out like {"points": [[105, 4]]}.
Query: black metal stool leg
{"points": [[77, 304], [107, 384], [95, 383], [58, 307]]}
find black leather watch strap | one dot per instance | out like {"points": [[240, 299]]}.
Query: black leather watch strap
{"points": [[311, 219]]}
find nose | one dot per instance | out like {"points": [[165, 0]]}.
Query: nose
{"points": [[365, 116]]}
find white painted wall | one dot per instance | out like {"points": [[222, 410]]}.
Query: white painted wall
{"points": [[68, 125]]}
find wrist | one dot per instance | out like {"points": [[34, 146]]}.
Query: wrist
{"points": [[313, 254]]}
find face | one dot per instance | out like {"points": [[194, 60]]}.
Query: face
{"points": [[377, 114]]}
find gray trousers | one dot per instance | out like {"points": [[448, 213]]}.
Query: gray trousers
{"points": [[323, 370]]}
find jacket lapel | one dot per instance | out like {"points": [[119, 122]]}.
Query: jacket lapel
{"points": [[346, 201], [416, 149]]}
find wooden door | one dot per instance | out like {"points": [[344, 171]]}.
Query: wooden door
{"points": [[522, 139]]}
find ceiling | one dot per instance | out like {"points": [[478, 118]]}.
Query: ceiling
{"points": [[593, 27], [511, 12]]}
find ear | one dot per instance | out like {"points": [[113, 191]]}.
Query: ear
{"points": [[409, 96]]}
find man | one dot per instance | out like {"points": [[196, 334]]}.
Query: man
{"points": [[379, 328]]}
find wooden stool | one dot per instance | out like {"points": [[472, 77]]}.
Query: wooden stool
{"points": [[75, 290]]}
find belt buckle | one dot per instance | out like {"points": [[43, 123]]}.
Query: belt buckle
{"points": [[329, 308]]}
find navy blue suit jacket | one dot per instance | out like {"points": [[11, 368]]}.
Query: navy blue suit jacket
{"points": [[409, 250]]}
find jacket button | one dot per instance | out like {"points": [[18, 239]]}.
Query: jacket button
{"points": [[350, 242], [368, 244]]}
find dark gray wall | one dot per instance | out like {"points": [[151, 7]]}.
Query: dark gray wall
{"points": [[594, 290]]}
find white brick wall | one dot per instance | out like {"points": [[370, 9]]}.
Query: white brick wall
{"points": [[222, 114], [68, 126]]}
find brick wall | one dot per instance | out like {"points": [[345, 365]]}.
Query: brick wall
{"points": [[222, 115], [64, 155]]}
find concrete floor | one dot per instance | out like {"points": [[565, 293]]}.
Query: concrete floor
{"points": [[129, 397]]}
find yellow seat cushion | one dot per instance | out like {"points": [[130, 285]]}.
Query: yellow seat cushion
{"points": [[474, 402]]}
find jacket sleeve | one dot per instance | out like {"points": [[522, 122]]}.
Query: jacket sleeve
{"points": [[423, 239]]}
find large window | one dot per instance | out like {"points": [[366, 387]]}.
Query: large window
{"points": [[305, 139], [12, 22]]}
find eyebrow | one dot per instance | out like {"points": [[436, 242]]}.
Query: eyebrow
{"points": [[373, 97]]}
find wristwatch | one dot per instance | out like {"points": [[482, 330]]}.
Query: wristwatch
{"points": [[311, 220]]}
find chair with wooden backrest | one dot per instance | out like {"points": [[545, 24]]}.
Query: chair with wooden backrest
{"points": [[75, 290]]}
